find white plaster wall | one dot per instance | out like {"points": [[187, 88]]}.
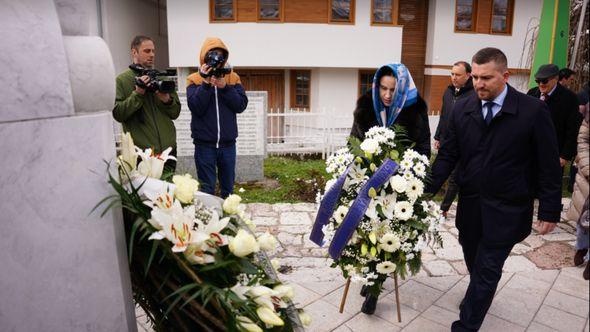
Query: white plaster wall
{"points": [[339, 92], [445, 47], [282, 44], [123, 20]]}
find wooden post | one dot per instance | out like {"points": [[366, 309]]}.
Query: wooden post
{"points": [[397, 304], [344, 295]]}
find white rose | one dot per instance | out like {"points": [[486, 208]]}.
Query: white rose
{"points": [[304, 318], [370, 145], [269, 316], [398, 183], [231, 204], [248, 324], [243, 244], [267, 242], [185, 188], [284, 291]]}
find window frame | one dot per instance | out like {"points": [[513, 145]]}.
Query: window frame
{"points": [[339, 21], [293, 90], [362, 72], [474, 14], [213, 19], [509, 19], [394, 14], [280, 19]]}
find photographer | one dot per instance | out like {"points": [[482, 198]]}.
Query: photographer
{"points": [[215, 95], [144, 105]]}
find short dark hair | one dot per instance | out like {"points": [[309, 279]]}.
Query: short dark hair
{"points": [[489, 54], [464, 64], [137, 40], [565, 73]]}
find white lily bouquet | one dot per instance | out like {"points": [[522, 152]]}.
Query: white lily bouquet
{"points": [[373, 212], [195, 261]]}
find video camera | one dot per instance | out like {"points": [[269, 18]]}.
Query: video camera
{"points": [[155, 83], [215, 59]]}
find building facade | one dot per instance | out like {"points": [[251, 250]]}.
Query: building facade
{"points": [[321, 54]]}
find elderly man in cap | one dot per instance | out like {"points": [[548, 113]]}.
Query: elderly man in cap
{"points": [[563, 105]]}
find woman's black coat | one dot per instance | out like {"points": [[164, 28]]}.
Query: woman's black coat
{"points": [[413, 118]]}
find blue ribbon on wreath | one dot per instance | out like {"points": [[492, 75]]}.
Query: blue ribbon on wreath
{"points": [[355, 213]]}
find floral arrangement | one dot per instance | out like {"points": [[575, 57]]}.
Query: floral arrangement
{"points": [[195, 261], [398, 221]]}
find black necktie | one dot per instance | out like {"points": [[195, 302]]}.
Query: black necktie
{"points": [[489, 113]]}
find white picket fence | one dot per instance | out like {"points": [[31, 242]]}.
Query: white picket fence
{"points": [[294, 131]]}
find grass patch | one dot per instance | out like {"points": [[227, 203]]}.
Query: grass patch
{"points": [[288, 179], [293, 179]]}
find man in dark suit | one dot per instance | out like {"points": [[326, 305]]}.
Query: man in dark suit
{"points": [[563, 106], [505, 149]]}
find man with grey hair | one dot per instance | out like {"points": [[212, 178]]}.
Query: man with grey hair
{"points": [[505, 150]]}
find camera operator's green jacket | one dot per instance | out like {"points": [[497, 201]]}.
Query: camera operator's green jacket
{"points": [[147, 118]]}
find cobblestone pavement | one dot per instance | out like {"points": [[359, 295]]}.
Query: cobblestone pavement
{"points": [[540, 290]]}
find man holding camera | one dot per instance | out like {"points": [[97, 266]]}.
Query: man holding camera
{"points": [[215, 95], [143, 106]]}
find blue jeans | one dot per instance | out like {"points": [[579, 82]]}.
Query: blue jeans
{"points": [[582, 240], [212, 161]]}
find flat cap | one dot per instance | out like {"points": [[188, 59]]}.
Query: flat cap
{"points": [[547, 71]]}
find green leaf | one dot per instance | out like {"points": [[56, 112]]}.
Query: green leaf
{"points": [[152, 254], [132, 236]]}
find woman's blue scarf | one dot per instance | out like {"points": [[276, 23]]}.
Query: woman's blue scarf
{"points": [[405, 93]]}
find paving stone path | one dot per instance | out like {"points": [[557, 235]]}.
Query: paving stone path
{"points": [[540, 290]]}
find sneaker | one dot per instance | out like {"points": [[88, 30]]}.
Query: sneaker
{"points": [[369, 305], [579, 257]]}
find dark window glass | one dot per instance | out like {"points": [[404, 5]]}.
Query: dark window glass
{"points": [[224, 9], [500, 16], [382, 11], [269, 9], [464, 15], [341, 10], [302, 87], [366, 82]]}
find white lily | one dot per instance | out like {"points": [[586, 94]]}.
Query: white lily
{"points": [[128, 157], [152, 165], [269, 316], [178, 229]]}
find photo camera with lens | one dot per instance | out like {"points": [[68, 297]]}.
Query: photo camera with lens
{"points": [[155, 83], [215, 59]]}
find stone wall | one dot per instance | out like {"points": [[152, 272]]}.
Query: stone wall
{"points": [[62, 268]]}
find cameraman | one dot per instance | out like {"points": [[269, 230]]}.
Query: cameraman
{"points": [[215, 95], [145, 114]]}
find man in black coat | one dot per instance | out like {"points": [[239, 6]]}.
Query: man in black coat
{"points": [[563, 106], [505, 148], [461, 86]]}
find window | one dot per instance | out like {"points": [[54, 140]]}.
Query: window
{"points": [[269, 10], [502, 11], [222, 10], [384, 12], [300, 87], [342, 11], [365, 81], [465, 15]]}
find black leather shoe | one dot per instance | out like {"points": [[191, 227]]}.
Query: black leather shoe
{"points": [[364, 291], [579, 257], [462, 304], [369, 305]]}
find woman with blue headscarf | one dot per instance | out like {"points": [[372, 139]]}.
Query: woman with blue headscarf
{"points": [[394, 100]]}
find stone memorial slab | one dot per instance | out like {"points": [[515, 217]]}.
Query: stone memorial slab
{"points": [[250, 145]]}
